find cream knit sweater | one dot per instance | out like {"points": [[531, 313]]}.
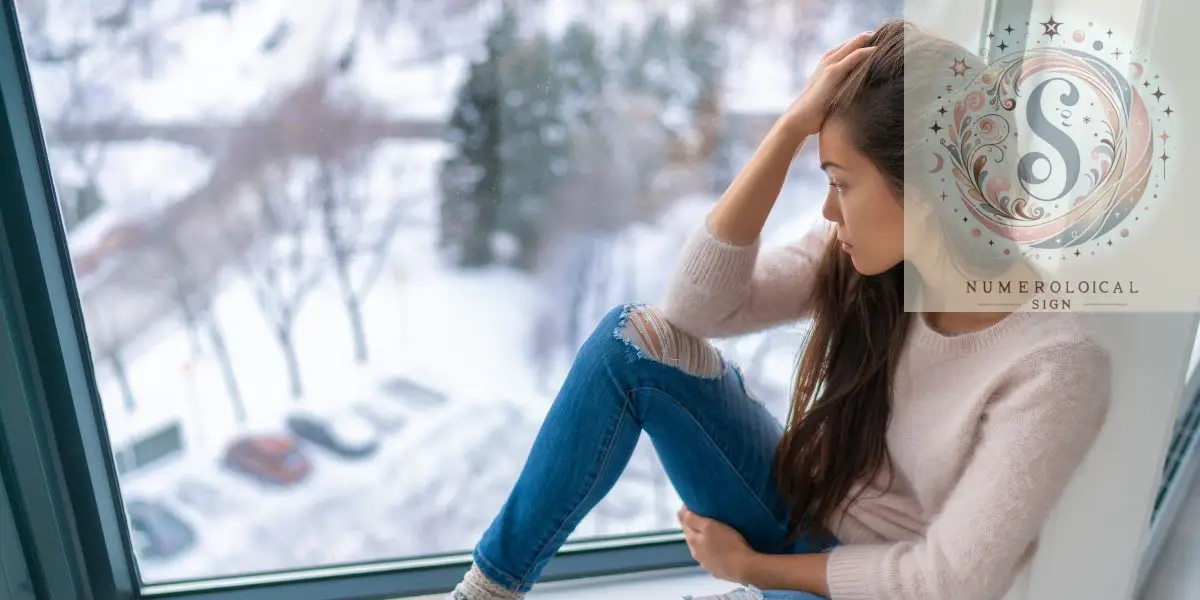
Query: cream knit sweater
{"points": [[986, 429]]}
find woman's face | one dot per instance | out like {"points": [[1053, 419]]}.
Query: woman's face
{"points": [[868, 215]]}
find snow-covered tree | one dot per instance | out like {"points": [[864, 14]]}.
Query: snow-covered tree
{"points": [[510, 149], [283, 262], [358, 232], [193, 289], [581, 65]]}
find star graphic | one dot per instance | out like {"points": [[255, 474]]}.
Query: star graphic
{"points": [[1158, 93], [1117, 54], [959, 67], [1146, 83], [1109, 33], [1051, 28], [1002, 46], [991, 35], [1077, 252], [943, 196], [991, 242], [1087, 120], [942, 110], [949, 88], [1168, 111], [936, 128], [1009, 29], [1164, 136]]}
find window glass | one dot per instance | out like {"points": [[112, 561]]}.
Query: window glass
{"points": [[318, 290]]}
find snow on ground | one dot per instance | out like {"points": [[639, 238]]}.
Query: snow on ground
{"points": [[224, 67], [130, 176], [462, 332]]}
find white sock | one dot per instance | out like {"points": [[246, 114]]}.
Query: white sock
{"points": [[477, 586], [742, 593]]}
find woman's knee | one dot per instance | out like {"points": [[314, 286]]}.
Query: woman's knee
{"points": [[647, 330]]}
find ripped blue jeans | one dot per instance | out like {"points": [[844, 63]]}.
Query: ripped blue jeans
{"points": [[636, 373]]}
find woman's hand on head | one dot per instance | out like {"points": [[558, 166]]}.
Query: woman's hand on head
{"points": [[805, 116]]}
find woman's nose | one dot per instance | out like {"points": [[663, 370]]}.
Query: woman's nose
{"points": [[831, 210]]}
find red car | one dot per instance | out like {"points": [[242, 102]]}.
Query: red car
{"points": [[273, 459]]}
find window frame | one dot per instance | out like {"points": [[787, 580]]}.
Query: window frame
{"points": [[1177, 484], [58, 480], [14, 572]]}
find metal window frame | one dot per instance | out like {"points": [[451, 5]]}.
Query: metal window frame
{"points": [[14, 571], [1175, 494]]}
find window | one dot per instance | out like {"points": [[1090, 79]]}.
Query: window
{"points": [[278, 270]]}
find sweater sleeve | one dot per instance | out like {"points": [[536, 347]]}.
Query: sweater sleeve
{"points": [[1033, 436], [721, 289]]}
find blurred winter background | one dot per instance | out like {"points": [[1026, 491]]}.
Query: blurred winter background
{"points": [[335, 256]]}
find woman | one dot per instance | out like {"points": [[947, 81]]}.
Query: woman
{"points": [[923, 451]]}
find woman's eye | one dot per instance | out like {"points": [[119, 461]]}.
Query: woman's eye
{"points": [[837, 187]]}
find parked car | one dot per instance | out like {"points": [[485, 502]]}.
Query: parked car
{"points": [[386, 417], [273, 459], [343, 433], [158, 533], [203, 498], [411, 393]]}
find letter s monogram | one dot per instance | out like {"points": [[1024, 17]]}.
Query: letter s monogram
{"points": [[1058, 139]]}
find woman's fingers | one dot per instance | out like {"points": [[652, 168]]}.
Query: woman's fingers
{"points": [[835, 55], [847, 64], [686, 520]]}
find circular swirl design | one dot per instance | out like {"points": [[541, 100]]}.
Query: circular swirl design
{"points": [[1049, 147]]}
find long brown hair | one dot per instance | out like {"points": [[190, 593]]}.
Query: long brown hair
{"points": [[837, 426]]}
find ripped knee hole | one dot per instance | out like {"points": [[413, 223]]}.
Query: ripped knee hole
{"points": [[649, 331]]}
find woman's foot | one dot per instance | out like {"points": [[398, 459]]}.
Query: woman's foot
{"points": [[476, 586]]}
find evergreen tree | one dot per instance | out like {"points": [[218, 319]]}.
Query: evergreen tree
{"points": [[583, 72], [654, 61], [470, 176], [534, 144], [701, 51], [510, 148]]}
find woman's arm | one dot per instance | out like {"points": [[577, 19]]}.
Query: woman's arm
{"points": [[1031, 442], [801, 572], [740, 214], [721, 286]]}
